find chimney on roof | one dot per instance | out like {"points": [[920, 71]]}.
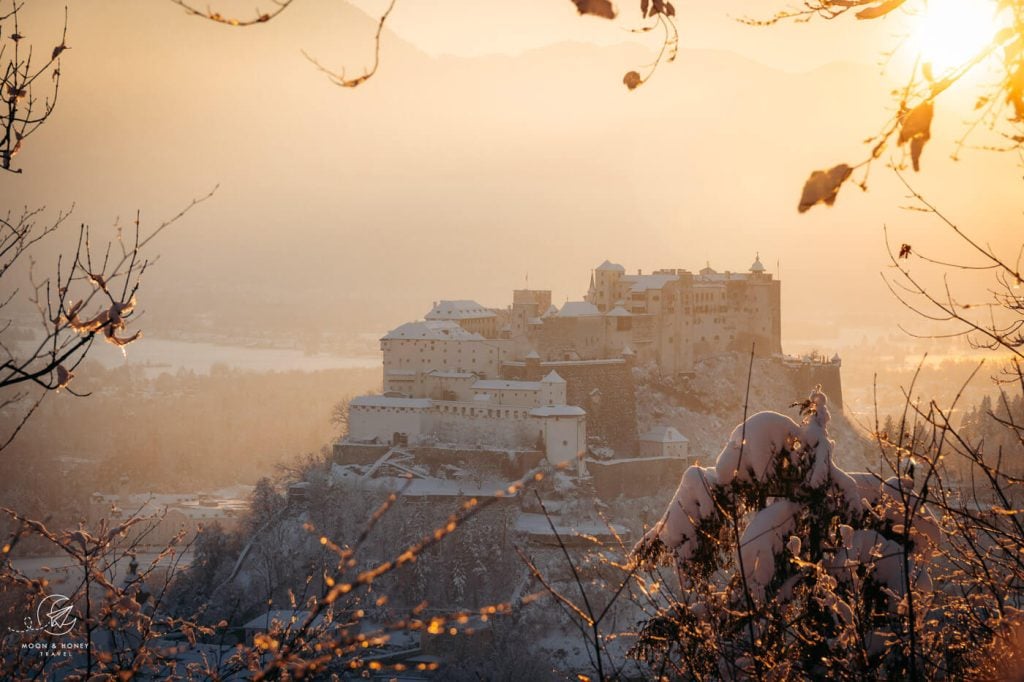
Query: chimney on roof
{"points": [[639, 271]]}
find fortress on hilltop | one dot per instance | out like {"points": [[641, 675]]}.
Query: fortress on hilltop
{"points": [[670, 317], [557, 382]]}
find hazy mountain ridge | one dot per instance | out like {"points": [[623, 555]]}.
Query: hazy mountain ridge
{"points": [[545, 155]]}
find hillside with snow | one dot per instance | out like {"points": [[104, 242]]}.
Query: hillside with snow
{"points": [[707, 405]]}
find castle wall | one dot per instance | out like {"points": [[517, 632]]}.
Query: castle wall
{"points": [[480, 356], [445, 385], [645, 335], [511, 464], [345, 452], [382, 422], [634, 477], [503, 427], [560, 335], [806, 376], [604, 388]]}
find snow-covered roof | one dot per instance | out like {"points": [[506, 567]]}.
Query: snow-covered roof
{"points": [[628, 352], [757, 266], [553, 378], [578, 309], [619, 311], [721, 277], [558, 411], [664, 434], [610, 266], [552, 310], [626, 462], [533, 355], [538, 524], [385, 401], [504, 385], [645, 282], [212, 504], [434, 330], [450, 374], [437, 487], [283, 617], [199, 512], [458, 310]]}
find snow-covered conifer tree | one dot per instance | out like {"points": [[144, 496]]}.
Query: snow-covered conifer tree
{"points": [[788, 566]]}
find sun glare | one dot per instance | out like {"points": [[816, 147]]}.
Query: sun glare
{"points": [[948, 33]]}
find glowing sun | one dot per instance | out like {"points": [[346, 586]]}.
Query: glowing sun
{"points": [[948, 33]]}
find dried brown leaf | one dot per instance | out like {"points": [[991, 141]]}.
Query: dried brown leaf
{"points": [[823, 186], [879, 10], [916, 129], [600, 8], [64, 376]]}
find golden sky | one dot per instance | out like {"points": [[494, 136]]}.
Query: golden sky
{"points": [[479, 27], [523, 153]]}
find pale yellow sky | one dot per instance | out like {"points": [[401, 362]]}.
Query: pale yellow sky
{"points": [[452, 178], [479, 27]]}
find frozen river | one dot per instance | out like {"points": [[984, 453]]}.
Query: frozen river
{"points": [[63, 574], [161, 355]]}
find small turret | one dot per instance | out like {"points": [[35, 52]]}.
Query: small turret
{"points": [[757, 267]]}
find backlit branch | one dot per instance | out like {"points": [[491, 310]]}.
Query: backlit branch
{"points": [[339, 78], [91, 294], [911, 124], [22, 110], [259, 17]]}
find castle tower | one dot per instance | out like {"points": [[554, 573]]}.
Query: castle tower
{"points": [[552, 389], [604, 285]]}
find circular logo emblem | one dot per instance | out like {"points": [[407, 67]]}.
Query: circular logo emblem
{"points": [[53, 614]]}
